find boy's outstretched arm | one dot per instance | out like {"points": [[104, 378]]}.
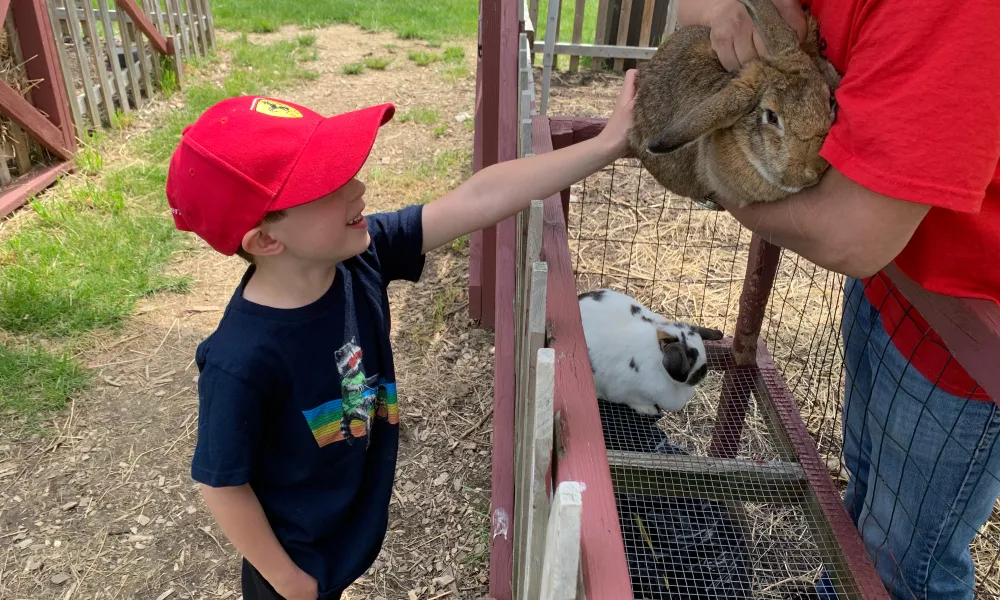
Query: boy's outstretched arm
{"points": [[506, 188]]}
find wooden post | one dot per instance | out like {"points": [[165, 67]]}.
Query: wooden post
{"points": [[581, 454], [107, 91], [646, 31], [624, 17], [540, 457], [210, 24], [533, 339], [38, 42], [128, 40], [178, 63], [192, 29], [762, 267], [600, 34], [581, 6], [89, 93], [551, 34], [562, 543], [111, 45], [74, 106]]}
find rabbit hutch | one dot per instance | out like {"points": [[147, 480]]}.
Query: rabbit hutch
{"points": [[740, 493]]}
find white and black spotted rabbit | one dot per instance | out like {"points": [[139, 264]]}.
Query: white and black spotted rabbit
{"points": [[638, 357]]}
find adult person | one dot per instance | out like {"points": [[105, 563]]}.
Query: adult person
{"points": [[914, 181]]}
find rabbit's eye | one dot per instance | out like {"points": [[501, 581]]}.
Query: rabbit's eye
{"points": [[770, 117]]}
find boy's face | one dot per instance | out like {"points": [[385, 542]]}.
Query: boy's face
{"points": [[329, 229]]}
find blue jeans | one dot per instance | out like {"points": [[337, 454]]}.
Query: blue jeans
{"points": [[924, 465]]}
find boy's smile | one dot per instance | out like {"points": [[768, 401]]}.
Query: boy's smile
{"points": [[329, 229]]}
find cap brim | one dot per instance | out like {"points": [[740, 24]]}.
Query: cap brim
{"points": [[335, 153]]}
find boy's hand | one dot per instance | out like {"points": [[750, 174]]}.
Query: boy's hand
{"points": [[735, 39], [616, 130], [299, 586]]}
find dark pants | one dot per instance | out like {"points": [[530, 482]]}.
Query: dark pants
{"points": [[255, 587]]}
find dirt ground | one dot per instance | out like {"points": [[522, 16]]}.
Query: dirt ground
{"points": [[105, 506]]}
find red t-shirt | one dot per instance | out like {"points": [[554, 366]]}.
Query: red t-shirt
{"points": [[918, 119]]}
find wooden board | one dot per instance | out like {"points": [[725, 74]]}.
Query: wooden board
{"points": [[581, 454], [502, 484], [17, 192], [49, 94], [143, 23]]}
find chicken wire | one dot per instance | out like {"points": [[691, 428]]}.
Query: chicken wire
{"points": [[688, 263]]}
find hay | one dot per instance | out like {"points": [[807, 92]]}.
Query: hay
{"points": [[688, 263], [18, 149]]}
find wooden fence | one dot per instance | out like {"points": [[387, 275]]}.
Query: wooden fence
{"points": [[68, 67], [109, 67], [627, 32], [546, 549]]}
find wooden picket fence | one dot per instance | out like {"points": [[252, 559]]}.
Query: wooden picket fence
{"points": [[626, 33], [109, 67]]}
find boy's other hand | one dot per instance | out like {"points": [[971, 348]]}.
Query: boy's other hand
{"points": [[616, 130], [735, 39], [299, 586]]}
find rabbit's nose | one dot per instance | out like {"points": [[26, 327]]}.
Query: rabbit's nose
{"points": [[811, 175]]}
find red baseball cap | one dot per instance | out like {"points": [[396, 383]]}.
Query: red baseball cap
{"points": [[250, 155]]}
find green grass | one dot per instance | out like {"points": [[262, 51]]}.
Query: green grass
{"points": [[454, 54], [353, 69], [423, 58], [421, 116], [36, 382], [91, 255], [453, 74], [99, 241], [431, 20], [377, 63], [306, 39], [425, 181], [441, 130]]}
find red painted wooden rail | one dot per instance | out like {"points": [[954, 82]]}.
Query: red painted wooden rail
{"points": [[580, 453], [142, 22], [491, 268], [49, 120]]}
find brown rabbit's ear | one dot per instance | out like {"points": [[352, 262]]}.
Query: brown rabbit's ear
{"points": [[779, 37], [718, 111]]}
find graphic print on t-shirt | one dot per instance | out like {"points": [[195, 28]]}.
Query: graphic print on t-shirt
{"points": [[350, 416]]}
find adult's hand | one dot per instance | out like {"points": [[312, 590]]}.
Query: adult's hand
{"points": [[736, 40]]}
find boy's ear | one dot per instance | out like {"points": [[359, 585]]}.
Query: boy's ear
{"points": [[259, 242]]}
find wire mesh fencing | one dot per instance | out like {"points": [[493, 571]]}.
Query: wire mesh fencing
{"points": [[715, 500]]}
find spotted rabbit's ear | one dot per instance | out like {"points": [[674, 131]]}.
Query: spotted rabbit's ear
{"points": [[676, 362], [707, 334]]}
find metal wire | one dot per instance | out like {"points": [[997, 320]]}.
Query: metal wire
{"points": [[701, 522]]}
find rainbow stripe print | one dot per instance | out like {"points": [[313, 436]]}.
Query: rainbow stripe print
{"points": [[326, 419]]}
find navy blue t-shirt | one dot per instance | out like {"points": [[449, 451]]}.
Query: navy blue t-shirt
{"points": [[301, 404]]}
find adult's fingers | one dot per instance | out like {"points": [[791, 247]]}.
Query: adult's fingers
{"points": [[744, 43]]}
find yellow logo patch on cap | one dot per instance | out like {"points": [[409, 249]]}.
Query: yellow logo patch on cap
{"points": [[275, 109]]}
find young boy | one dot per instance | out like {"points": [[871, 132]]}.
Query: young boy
{"points": [[297, 431]]}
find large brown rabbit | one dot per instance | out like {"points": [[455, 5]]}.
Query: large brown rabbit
{"points": [[751, 136]]}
